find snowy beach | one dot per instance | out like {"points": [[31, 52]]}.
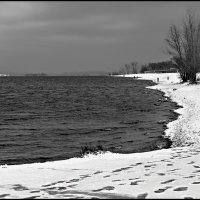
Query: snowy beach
{"points": [[166, 173]]}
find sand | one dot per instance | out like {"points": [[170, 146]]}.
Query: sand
{"points": [[166, 173]]}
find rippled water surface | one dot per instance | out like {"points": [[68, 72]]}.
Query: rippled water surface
{"points": [[50, 118]]}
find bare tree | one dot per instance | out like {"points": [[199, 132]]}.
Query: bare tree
{"points": [[184, 46], [122, 71], [134, 67], [127, 69]]}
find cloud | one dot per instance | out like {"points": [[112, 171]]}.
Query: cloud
{"points": [[58, 15], [96, 28], [16, 15], [16, 10], [82, 39], [104, 22]]}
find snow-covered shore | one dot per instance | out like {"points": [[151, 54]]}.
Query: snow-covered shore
{"points": [[166, 173]]}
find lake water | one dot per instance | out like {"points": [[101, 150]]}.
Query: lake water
{"points": [[50, 118]]}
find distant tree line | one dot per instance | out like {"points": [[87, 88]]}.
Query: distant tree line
{"points": [[165, 65], [131, 68]]}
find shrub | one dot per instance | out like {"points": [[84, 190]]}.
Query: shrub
{"points": [[85, 150]]}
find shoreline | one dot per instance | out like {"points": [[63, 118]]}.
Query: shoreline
{"points": [[178, 104], [188, 101], [168, 140], [165, 173]]}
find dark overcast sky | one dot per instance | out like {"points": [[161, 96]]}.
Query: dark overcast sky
{"points": [[57, 37]]}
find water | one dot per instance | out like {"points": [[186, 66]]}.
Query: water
{"points": [[50, 118]]}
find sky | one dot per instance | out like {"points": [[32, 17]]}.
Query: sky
{"points": [[72, 36]]}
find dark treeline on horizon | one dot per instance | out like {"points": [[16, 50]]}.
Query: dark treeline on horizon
{"points": [[134, 68], [165, 65]]}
